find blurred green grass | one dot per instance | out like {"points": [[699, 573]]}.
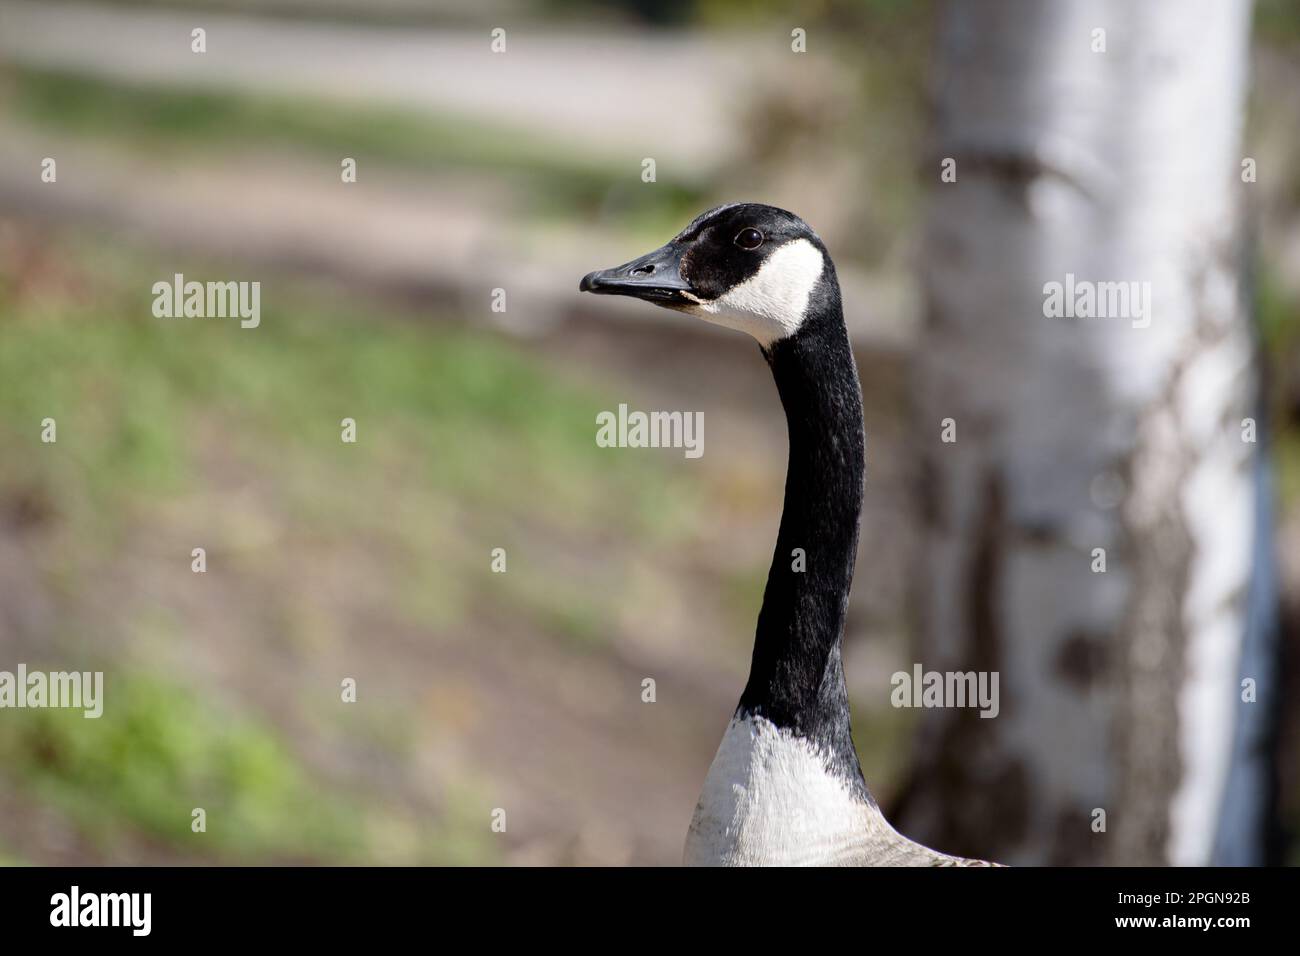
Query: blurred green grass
{"points": [[439, 405], [158, 752], [161, 750], [464, 442]]}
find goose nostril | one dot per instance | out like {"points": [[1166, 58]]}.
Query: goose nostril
{"points": [[643, 270]]}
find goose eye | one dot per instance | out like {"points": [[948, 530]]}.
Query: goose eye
{"points": [[749, 239]]}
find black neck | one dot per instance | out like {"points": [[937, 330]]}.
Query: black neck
{"points": [[796, 679]]}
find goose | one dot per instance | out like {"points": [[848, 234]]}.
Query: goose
{"points": [[786, 787]]}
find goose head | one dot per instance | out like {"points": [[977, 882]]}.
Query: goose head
{"points": [[747, 266]]}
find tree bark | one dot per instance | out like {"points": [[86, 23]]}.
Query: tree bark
{"points": [[1120, 689]]}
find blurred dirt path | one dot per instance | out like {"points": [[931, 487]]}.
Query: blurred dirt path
{"points": [[583, 89], [400, 234]]}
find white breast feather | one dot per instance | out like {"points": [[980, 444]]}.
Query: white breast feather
{"points": [[769, 799]]}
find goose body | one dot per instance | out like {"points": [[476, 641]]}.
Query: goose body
{"points": [[786, 786]]}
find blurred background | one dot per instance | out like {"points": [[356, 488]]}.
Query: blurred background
{"points": [[326, 561]]}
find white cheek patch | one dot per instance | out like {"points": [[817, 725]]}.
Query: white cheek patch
{"points": [[772, 303]]}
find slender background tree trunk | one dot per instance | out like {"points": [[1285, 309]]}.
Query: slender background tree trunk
{"points": [[1119, 689]]}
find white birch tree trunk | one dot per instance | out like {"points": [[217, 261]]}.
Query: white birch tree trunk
{"points": [[1120, 690]]}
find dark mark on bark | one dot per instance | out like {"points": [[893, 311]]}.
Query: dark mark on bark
{"points": [[1083, 660]]}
